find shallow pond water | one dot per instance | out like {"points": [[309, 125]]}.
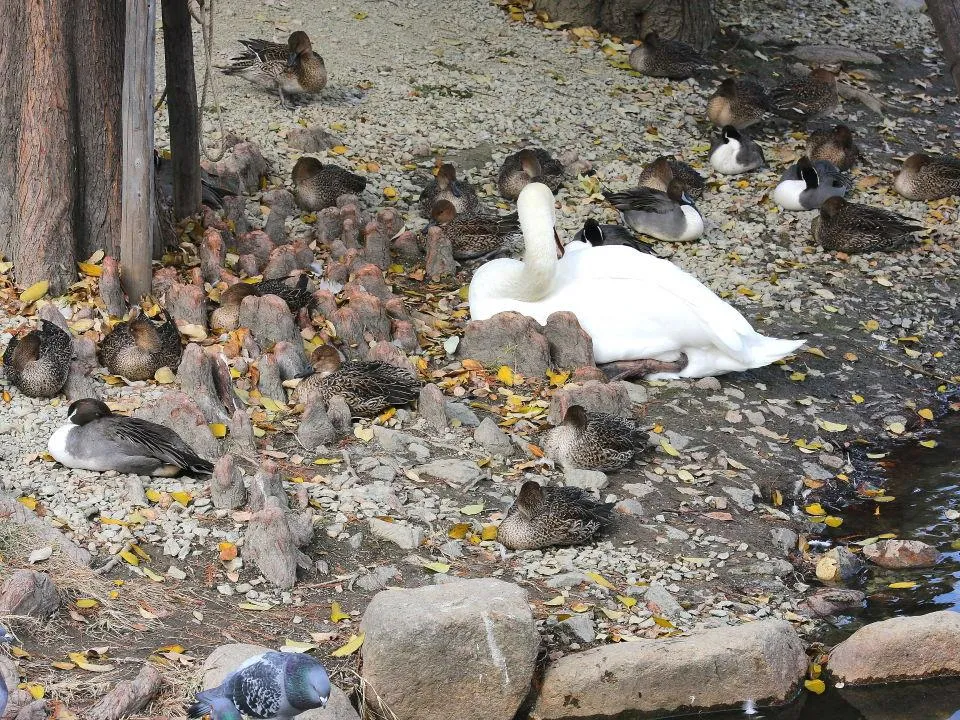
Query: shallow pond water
{"points": [[926, 485]]}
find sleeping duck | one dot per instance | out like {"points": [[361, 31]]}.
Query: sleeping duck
{"points": [[597, 234], [642, 312], [545, 516], [805, 185], [96, 439], [136, 349], [37, 363], [594, 441]]}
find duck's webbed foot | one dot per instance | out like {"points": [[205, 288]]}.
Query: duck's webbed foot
{"points": [[628, 369]]}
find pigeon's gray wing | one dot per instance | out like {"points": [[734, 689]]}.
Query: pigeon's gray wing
{"points": [[257, 689]]}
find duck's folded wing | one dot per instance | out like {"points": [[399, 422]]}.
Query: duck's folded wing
{"points": [[642, 200], [877, 221], [137, 437], [266, 51]]}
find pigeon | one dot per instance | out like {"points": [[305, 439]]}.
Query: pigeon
{"points": [[270, 686]]}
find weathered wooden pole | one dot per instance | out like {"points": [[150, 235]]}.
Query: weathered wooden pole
{"points": [[946, 19], [182, 104], [136, 224]]}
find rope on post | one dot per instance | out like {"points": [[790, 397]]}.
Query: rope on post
{"points": [[206, 26]]}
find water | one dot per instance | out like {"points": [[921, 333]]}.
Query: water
{"points": [[925, 483]]}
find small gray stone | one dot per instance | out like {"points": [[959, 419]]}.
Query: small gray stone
{"points": [[135, 492], [405, 537], [578, 627], [451, 470], [592, 480], [383, 472], [431, 407], [742, 497], [659, 596], [492, 438], [393, 441], [629, 507], [897, 554], [567, 580], [785, 539], [28, 592], [460, 412], [707, 383], [639, 490]]}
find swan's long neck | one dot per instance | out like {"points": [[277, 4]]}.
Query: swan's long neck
{"points": [[534, 279]]}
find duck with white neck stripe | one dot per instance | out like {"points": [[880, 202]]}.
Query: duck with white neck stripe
{"points": [[734, 152]]}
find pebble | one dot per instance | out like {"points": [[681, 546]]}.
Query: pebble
{"points": [[592, 480]]}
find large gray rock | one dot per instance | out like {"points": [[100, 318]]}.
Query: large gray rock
{"points": [[762, 661], [902, 648], [897, 554], [451, 470], [830, 54], [507, 338], [460, 645], [226, 658], [594, 396]]}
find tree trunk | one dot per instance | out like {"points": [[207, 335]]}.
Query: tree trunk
{"points": [[182, 103], [946, 19], [59, 135], [137, 201]]}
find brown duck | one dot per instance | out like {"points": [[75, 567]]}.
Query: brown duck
{"points": [[545, 516], [137, 348], [37, 363]]}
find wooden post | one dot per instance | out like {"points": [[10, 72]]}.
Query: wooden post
{"points": [[182, 104], [136, 224], [945, 15]]}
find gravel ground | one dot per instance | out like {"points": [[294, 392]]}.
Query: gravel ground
{"points": [[697, 540]]}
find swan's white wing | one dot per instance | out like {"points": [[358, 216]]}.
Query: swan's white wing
{"points": [[722, 322]]}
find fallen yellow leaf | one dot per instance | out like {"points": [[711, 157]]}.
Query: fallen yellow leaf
{"points": [[35, 291], [219, 430], [350, 647], [336, 613], [815, 686], [84, 603], [926, 413]]}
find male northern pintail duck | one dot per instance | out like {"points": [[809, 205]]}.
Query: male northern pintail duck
{"points": [[544, 516], [594, 441], [928, 177], [805, 185], [735, 152], [807, 98], [665, 216], [474, 234], [641, 311], [317, 186], [292, 68], [227, 316], [835, 146], [740, 103], [137, 348], [368, 387], [854, 228], [527, 166], [446, 186], [658, 174], [596, 234], [659, 57], [211, 192], [275, 685], [38, 362], [96, 439]]}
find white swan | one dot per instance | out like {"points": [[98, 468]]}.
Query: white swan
{"points": [[635, 306]]}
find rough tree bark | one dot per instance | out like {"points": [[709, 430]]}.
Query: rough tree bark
{"points": [[945, 15], [688, 20], [59, 134]]}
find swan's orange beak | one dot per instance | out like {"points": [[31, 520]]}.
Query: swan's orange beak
{"points": [[556, 238]]}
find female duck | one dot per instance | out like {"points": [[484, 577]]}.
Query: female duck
{"points": [[665, 216], [657, 57], [740, 103], [854, 228], [806, 98], [474, 234], [227, 316], [447, 187], [38, 363], [594, 441], [136, 349], [835, 146], [317, 186], [527, 166], [642, 312], [96, 439], [545, 516], [928, 177], [368, 387], [658, 174], [805, 185], [734, 153], [293, 68]]}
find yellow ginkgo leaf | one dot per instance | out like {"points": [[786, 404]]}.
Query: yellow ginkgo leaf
{"points": [[390, 192], [219, 430], [350, 647], [926, 413], [85, 603], [505, 375], [815, 509], [153, 495], [164, 376], [437, 567], [489, 532], [35, 291], [182, 497], [36, 690], [928, 443], [90, 269], [815, 686], [832, 521], [600, 580], [555, 602], [668, 448], [627, 601], [904, 585], [129, 557], [363, 433], [459, 531], [831, 426], [336, 613]]}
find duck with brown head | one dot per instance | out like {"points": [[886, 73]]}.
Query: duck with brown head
{"points": [[317, 186], [446, 186], [96, 439], [474, 234], [137, 348], [740, 103], [292, 67], [659, 57], [594, 441], [669, 215], [928, 177], [658, 173], [836, 146], [37, 363], [544, 516], [853, 228], [807, 98], [526, 166]]}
